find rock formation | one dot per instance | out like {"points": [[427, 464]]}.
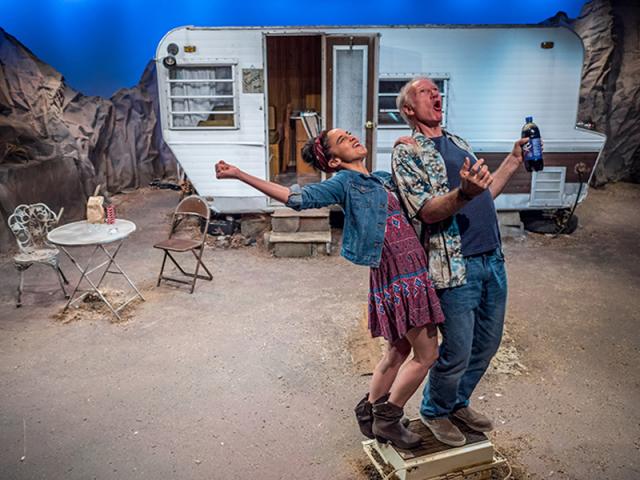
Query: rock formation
{"points": [[57, 144], [610, 89]]}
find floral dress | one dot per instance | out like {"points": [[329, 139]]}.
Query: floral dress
{"points": [[401, 294]]}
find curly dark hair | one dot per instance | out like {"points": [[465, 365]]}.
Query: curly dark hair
{"points": [[309, 153]]}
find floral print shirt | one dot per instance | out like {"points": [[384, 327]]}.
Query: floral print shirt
{"points": [[420, 174]]}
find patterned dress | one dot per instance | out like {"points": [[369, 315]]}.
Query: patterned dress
{"points": [[401, 294]]}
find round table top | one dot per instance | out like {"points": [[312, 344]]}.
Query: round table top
{"points": [[85, 233]]}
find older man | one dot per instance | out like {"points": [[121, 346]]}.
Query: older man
{"points": [[447, 189]]}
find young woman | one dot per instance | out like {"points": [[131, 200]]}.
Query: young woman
{"points": [[403, 306]]}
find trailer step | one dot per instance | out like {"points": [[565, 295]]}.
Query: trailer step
{"points": [[434, 460]]}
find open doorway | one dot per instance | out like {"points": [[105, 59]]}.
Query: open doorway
{"points": [[294, 73]]}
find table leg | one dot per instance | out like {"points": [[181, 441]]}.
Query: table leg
{"points": [[85, 276], [111, 260], [120, 271]]}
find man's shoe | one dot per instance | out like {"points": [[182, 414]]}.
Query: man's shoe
{"points": [[473, 419], [444, 431]]}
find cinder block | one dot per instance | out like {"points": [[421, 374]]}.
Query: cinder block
{"points": [[285, 224], [293, 250], [511, 219], [512, 232], [311, 224], [510, 225], [253, 227]]}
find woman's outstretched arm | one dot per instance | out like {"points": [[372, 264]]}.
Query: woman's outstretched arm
{"points": [[313, 195], [273, 190]]}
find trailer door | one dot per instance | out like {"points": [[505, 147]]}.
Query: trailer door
{"points": [[351, 71]]}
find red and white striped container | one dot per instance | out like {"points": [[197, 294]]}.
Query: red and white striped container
{"points": [[111, 214]]}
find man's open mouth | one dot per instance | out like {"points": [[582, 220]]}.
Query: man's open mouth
{"points": [[437, 106]]}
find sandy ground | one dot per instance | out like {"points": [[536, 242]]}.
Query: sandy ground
{"points": [[256, 374]]}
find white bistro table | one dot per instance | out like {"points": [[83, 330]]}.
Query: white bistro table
{"points": [[99, 236]]}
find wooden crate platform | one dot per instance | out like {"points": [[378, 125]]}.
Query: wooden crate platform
{"points": [[434, 460]]}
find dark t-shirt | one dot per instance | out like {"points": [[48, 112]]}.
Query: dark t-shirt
{"points": [[477, 220]]}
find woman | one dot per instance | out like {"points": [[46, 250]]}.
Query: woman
{"points": [[403, 306]]}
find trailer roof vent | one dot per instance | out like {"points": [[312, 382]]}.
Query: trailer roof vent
{"points": [[547, 187]]}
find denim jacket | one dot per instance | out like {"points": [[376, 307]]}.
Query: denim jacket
{"points": [[364, 201], [421, 175]]}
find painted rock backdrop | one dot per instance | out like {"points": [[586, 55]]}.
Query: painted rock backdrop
{"points": [[57, 144]]}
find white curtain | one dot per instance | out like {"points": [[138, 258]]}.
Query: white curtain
{"points": [[200, 89]]}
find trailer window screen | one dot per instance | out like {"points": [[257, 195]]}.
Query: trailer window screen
{"points": [[202, 97], [388, 89]]}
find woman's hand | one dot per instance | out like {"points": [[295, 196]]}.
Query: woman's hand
{"points": [[408, 141], [224, 170]]}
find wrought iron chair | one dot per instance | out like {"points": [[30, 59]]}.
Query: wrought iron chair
{"points": [[30, 224], [192, 207]]}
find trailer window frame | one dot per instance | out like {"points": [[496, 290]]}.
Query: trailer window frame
{"points": [[233, 81], [404, 78]]}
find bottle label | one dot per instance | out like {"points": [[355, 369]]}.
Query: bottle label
{"points": [[533, 150]]}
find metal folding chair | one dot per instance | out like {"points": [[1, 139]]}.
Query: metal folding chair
{"points": [[192, 207], [30, 225]]}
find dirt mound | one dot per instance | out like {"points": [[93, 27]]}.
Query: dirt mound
{"points": [[92, 308]]}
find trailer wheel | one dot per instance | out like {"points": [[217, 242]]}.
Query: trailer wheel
{"points": [[549, 221]]}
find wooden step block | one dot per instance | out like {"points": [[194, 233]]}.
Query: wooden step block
{"points": [[298, 244], [434, 460]]}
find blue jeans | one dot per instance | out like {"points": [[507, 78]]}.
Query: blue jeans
{"points": [[474, 320]]}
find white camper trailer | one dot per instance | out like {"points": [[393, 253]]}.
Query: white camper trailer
{"points": [[251, 96]]}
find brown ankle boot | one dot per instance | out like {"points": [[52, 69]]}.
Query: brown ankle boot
{"points": [[364, 414], [388, 427]]}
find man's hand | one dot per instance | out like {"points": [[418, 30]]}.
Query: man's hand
{"points": [[517, 151], [474, 180], [224, 170]]}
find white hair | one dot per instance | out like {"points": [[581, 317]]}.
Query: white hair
{"points": [[402, 98]]}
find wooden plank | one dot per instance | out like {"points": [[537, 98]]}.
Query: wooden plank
{"points": [[286, 144], [311, 212], [300, 237], [429, 443]]}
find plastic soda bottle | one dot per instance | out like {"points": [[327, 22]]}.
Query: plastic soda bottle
{"points": [[532, 150]]}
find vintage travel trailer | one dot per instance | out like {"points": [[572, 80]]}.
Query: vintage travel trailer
{"points": [[251, 96]]}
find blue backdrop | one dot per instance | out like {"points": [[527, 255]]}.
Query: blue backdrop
{"points": [[100, 45]]}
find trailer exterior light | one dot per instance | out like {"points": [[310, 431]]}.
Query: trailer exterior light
{"points": [[190, 49], [169, 61], [546, 45], [172, 49]]}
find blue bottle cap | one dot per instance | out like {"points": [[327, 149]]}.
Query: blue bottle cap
{"points": [[528, 119]]}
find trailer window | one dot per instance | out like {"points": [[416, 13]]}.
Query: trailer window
{"points": [[388, 89], [202, 97]]}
